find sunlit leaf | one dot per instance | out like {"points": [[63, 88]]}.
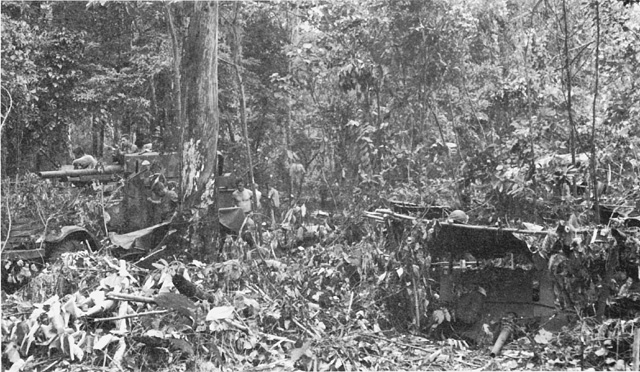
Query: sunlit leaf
{"points": [[543, 336], [299, 352], [220, 312], [104, 341]]}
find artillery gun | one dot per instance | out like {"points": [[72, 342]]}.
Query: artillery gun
{"points": [[29, 242], [135, 222]]}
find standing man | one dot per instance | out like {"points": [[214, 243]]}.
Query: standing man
{"points": [[242, 197], [273, 197], [166, 200]]}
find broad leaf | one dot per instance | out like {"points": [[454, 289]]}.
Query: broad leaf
{"points": [[220, 312]]}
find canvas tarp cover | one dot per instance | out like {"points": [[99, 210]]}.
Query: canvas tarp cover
{"points": [[482, 244], [231, 218], [144, 239]]}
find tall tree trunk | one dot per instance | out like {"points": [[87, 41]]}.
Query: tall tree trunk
{"points": [[232, 137], [293, 24], [199, 93], [532, 156], [236, 51], [567, 68], [177, 85], [154, 105], [94, 135], [100, 152], [594, 177]]}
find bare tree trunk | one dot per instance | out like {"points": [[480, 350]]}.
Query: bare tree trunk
{"points": [[101, 149], [177, 85], [572, 144], [154, 105], [200, 104], [531, 175], [96, 137], [594, 176], [94, 140], [293, 35], [288, 148], [236, 51]]}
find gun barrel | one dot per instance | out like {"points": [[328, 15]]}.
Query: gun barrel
{"points": [[109, 169]]}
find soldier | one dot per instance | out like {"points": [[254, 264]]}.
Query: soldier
{"points": [[82, 160], [124, 147], [242, 197], [273, 202], [164, 198]]}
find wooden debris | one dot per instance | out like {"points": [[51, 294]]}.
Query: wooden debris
{"points": [[129, 297], [154, 312], [383, 214]]}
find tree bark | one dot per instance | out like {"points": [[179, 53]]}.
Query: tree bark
{"points": [[292, 24], [594, 176], [236, 51], [94, 136], [199, 93], [154, 106], [177, 59], [572, 145]]}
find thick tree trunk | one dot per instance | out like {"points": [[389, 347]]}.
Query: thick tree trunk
{"points": [[199, 92], [177, 59]]}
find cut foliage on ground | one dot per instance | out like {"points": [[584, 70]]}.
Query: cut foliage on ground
{"points": [[315, 309]]}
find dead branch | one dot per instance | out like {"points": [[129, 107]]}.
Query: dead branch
{"points": [[398, 342], [129, 297], [153, 312], [274, 337], [312, 334]]}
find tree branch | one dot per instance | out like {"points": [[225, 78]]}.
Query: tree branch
{"points": [[153, 312]]}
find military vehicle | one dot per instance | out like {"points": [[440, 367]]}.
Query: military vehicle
{"points": [[28, 240], [27, 244], [133, 220]]}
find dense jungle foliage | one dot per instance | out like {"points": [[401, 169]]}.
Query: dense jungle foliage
{"points": [[515, 112], [348, 102]]}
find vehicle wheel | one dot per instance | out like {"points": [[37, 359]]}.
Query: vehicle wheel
{"points": [[67, 245]]}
